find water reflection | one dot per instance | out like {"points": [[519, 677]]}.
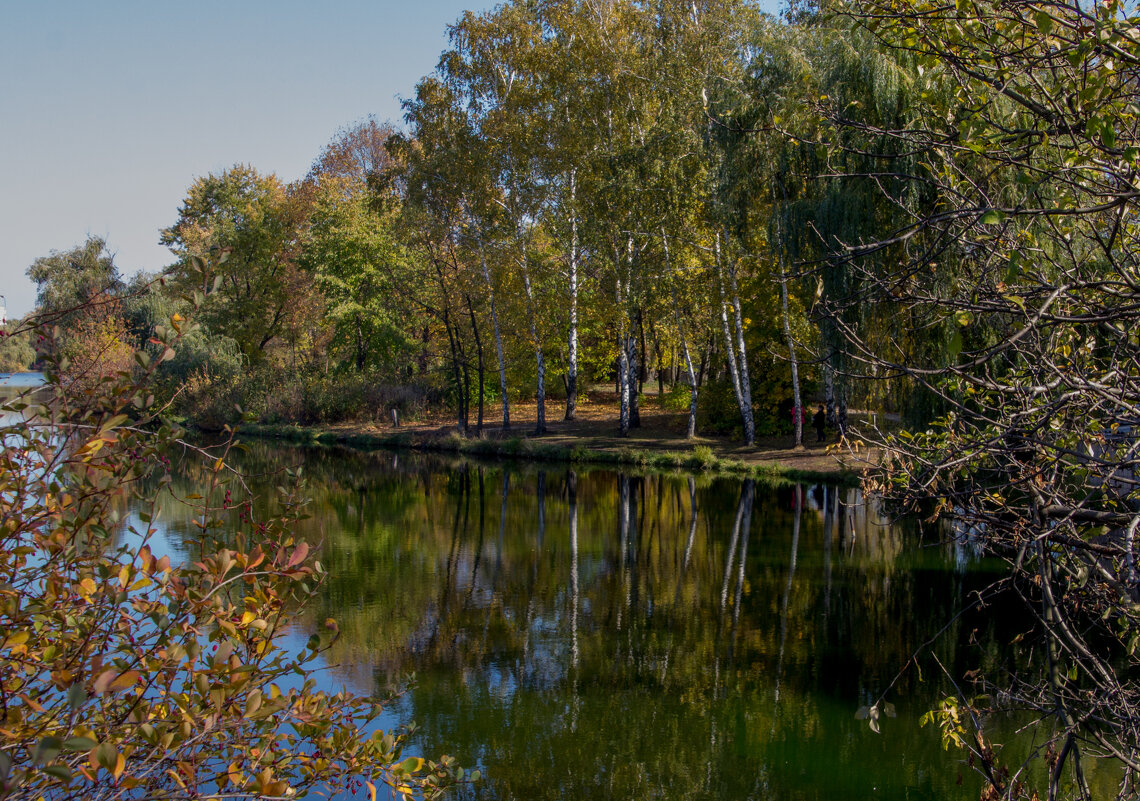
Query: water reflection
{"points": [[592, 634]]}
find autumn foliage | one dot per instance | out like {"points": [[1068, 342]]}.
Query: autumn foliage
{"points": [[131, 669]]}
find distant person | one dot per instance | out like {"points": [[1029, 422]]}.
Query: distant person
{"points": [[819, 421]]}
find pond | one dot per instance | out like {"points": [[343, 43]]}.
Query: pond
{"points": [[595, 634]]}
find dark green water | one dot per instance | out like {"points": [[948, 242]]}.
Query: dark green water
{"points": [[599, 636]]}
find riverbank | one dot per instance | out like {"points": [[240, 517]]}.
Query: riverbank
{"points": [[592, 439]]}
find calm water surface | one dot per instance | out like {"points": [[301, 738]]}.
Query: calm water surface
{"points": [[606, 635]]}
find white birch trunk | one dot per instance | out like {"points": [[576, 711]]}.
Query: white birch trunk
{"points": [[745, 382], [572, 360], [729, 345], [623, 364], [797, 411], [540, 425], [631, 380]]}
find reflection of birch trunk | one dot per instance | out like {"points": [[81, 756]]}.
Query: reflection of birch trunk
{"points": [[573, 485], [692, 537], [692, 431], [541, 491], [623, 531], [788, 593], [731, 560], [746, 496], [502, 523], [479, 545], [536, 558], [692, 523], [828, 522], [636, 488], [452, 560]]}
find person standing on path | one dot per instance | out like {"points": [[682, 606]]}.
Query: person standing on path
{"points": [[819, 421]]}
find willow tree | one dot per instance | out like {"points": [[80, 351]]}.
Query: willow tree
{"points": [[1025, 128]]}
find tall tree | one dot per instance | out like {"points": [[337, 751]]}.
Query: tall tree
{"points": [[256, 221], [68, 280]]}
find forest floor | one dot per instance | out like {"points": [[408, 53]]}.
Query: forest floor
{"points": [[596, 430]]}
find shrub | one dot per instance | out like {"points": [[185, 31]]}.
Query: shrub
{"points": [[128, 675], [275, 397]]}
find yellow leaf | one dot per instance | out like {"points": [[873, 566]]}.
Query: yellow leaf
{"points": [[120, 766], [371, 791]]}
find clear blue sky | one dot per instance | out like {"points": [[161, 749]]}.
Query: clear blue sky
{"points": [[108, 110]]}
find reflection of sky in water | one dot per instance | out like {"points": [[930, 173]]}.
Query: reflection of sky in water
{"points": [[12, 387]]}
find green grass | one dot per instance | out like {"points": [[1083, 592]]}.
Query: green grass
{"points": [[700, 459]]}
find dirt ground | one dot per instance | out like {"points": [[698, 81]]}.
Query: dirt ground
{"points": [[596, 427]]}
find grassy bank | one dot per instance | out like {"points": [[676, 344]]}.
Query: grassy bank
{"points": [[700, 458]]}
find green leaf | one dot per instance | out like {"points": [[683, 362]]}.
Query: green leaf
{"points": [[59, 771], [993, 217], [47, 749], [1044, 23], [107, 755], [955, 346], [79, 744]]}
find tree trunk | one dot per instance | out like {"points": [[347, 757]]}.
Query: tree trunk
{"points": [[658, 362], [630, 342], [461, 401], [729, 346], [498, 340], [623, 387], [540, 424], [829, 390], [572, 360], [361, 353], [797, 411], [643, 368], [481, 369], [634, 388], [422, 360], [745, 381]]}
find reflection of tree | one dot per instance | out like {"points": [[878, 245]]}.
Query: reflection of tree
{"points": [[544, 646]]}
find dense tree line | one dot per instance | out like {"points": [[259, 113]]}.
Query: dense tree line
{"points": [[563, 207]]}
